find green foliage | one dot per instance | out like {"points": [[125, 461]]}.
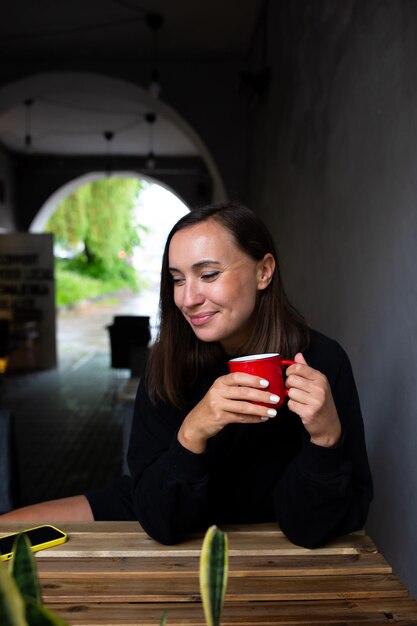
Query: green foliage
{"points": [[100, 218], [72, 287], [12, 607], [213, 574], [23, 569], [110, 212], [214, 569], [38, 615], [69, 222], [20, 599], [119, 270]]}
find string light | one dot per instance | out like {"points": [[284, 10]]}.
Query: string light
{"points": [[28, 132], [150, 159]]}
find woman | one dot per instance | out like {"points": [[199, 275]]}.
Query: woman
{"points": [[201, 450]]}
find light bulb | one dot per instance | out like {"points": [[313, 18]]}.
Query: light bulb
{"points": [[150, 161], [155, 85]]}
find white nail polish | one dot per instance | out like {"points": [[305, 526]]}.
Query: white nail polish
{"points": [[274, 398], [263, 382], [271, 412], [264, 419]]}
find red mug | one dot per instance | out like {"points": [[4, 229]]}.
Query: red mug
{"points": [[267, 366]]}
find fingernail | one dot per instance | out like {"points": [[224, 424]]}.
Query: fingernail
{"points": [[271, 412], [264, 419], [274, 398], [263, 382]]}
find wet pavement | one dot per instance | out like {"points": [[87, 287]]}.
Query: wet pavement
{"points": [[67, 420]]}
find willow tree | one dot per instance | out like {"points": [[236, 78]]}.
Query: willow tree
{"points": [[98, 220]]}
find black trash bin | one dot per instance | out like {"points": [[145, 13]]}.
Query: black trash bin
{"points": [[9, 480], [129, 337]]}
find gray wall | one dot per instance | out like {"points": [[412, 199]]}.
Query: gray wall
{"points": [[335, 175]]}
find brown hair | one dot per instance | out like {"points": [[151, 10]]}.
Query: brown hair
{"points": [[178, 355]]}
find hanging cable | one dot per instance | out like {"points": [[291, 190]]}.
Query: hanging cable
{"points": [[108, 136], [155, 22]]}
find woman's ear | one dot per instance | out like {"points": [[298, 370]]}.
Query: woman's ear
{"points": [[266, 269]]}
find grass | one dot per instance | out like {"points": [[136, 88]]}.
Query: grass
{"points": [[72, 287]]}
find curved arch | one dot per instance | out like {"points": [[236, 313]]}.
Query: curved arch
{"points": [[37, 84], [41, 219]]}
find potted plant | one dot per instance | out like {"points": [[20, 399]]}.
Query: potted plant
{"points": [[20, 595], [214, 567]]}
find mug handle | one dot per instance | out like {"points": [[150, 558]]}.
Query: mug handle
{"points": [[284, 363]]}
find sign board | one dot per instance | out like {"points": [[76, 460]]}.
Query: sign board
{"points": [[27, 300]]}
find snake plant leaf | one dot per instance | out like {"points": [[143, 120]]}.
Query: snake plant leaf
{"points": [[213, 574], [38, 615], [24, 570], [12, 608], [164, 618]]}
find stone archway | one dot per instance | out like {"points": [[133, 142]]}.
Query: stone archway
{"points": [[59, 84]]}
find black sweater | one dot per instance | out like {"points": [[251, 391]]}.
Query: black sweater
{"points": [[253, 472]]}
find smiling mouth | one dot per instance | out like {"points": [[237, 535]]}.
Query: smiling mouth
{"points": [[201, 318]]}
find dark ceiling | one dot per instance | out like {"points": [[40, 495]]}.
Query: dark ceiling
{"points": [[70, 117], [118, 29]]}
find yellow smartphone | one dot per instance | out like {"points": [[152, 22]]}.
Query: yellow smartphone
{"points": [[40, 537]]}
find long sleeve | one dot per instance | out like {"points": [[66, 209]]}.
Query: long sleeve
{"points": [[326, 492], [168, 482]]}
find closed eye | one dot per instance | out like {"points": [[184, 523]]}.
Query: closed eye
{"points": [[209, 276]]}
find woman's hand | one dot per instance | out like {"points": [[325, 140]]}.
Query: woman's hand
{"points": [[229, 400], [310, 396]]}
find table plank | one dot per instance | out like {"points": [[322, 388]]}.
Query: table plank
{"points": [[134, 528], [255, 588], [138, 544], [239, 566], [394, 612]]}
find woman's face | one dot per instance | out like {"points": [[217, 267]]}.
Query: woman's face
{"points": [[215, 283]]}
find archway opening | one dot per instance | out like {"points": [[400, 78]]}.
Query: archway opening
{"points": [[82, 324], [82, 122]]}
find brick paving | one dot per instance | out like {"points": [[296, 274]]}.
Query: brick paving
{"points": [[68, 426]]}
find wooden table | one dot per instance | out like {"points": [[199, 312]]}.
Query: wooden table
{"points": [[112, 573]]}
